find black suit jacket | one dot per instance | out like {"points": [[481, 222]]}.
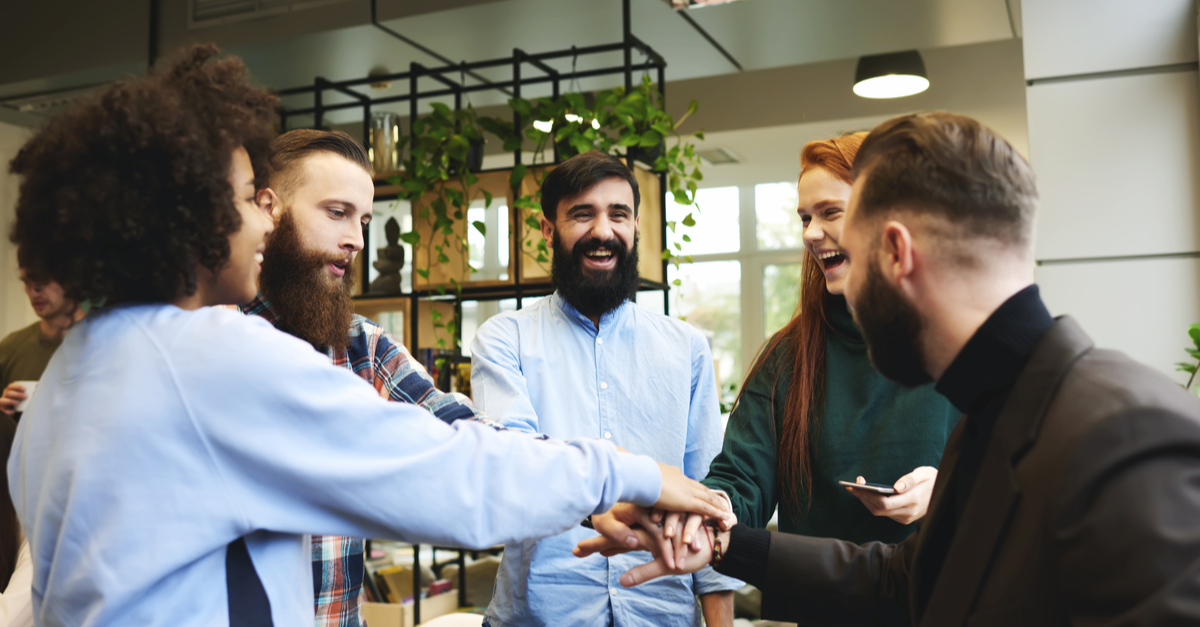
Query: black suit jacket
{"points": [[1086, 511]]}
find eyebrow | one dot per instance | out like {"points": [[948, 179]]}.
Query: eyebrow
{"points": [[823, 204], [615, 205]]}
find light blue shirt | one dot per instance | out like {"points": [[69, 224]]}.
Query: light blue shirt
{"points": [[157, 436], [642, 381]]}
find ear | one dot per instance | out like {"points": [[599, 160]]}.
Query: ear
{"points": [[547, 229], [896, 246], [268, 201]]}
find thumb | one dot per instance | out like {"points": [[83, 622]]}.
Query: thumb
{"points": [[641, 574]]}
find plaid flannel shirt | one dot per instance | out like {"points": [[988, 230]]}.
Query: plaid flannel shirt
{"points": [[385, 363]]}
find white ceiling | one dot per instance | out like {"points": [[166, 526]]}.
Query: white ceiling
{"points": [[758, 33]]}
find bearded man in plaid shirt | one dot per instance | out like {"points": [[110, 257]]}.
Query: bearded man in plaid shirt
{"points": [[320, 192]]}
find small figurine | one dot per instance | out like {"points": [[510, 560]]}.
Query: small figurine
{"points": [[389, 262]]}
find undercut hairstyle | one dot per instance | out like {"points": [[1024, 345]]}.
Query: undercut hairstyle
{"points": [[127, 193], [581, 173], [289, 150], [952, 167]]}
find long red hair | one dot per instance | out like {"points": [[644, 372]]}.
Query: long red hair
{"points": [[805, 333]]}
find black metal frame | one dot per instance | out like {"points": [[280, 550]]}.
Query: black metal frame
{"points": [[445, 76]]}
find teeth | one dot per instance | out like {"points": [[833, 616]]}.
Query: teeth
{"points": [[258, 257], [600, 253], [828, 255]]}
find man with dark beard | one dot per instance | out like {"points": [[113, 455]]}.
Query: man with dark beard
{"points": [[320, 193], [588, 362], [1069, 493]]}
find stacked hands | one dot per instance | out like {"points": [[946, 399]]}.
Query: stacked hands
{"points": [[689, 525], [672, 530]]}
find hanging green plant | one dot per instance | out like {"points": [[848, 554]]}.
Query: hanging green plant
{"points": [[632, 125], [438, 180]]}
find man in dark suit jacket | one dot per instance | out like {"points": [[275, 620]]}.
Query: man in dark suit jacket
{"points": [[1070, 491]]}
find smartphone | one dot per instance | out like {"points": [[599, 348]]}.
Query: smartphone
{"points": [[870, 487]]}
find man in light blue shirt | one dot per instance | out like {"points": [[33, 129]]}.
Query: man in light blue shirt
{"points": [[587, 362]]}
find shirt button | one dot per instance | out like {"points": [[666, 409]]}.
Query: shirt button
{"points": [[599, 341], [607, 435], [613, 591], [603, 386]]}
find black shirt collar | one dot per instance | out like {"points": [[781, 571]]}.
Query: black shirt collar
{"points": [[996, 354]]}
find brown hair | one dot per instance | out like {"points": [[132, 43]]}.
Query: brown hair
{"points": [[805, 334], [952, 167], [290, 149], [126, 194], [579, 174]]}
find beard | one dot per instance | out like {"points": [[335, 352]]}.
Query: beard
{"points": [[891, 327], [594, 293], [297, 286]]}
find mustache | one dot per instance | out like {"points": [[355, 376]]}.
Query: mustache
{"points": [[583, 247]]}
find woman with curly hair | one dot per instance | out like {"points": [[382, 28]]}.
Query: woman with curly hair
{"points": [[175, 453], [813, 411]]}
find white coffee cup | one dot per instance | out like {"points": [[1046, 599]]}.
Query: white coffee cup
{"points": [[30, 386]]}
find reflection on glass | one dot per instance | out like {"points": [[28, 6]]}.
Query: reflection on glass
{"points": [[488, 254], [781, 294], [716, 215], [775, 212], [710, 299], [383, 210]]}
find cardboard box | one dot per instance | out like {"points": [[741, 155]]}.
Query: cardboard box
{"points": [[401, 615]]}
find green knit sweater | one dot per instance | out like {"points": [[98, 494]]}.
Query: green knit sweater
{"points": [[867, 426]]}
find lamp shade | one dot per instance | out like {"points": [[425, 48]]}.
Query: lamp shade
{"points": [[892, 75]]}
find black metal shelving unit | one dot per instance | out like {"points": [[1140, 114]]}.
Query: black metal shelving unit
{"points": [[446, 85]]}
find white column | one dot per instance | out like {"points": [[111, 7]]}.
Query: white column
{"points": [[1113, 102]]}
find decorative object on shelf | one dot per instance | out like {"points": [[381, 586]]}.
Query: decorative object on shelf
{"points": [[389, 261], [892, 75], [384, 144], [1194, 351]]}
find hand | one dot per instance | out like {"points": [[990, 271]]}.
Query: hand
{"points": [[692, 561], [681, 494], [617, 532], [909, 503], [13, 395]]}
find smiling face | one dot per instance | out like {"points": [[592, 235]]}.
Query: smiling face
{"points": [[822, 207], [594, 236], [237, 282]]}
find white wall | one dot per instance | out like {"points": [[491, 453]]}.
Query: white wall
{"points": [[1116, 157], [14, 306]]}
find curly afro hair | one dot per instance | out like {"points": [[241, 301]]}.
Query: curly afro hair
{"points": [[126, 194]]}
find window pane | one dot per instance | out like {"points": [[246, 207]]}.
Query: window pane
{"points": [[781, 294], [716, 215], [775, 211], [710, 299]]}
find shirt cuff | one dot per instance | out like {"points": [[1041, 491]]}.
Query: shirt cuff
{"points": [[746, 556], [641, 483]]}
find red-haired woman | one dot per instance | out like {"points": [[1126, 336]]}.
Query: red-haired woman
{"points": [[813, 411]]}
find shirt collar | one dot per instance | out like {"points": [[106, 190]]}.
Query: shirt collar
{"points": [[996, 354], [573, 314], [262, 308], [837, 314]]}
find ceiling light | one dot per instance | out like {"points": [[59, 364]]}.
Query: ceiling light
{"points": [[718, 156], [543, 125], [893, 75]]}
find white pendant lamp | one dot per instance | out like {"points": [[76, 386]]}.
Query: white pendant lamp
{"points": [[892, 75]]}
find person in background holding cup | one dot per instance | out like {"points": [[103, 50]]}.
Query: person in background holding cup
{"points": [[25, 353]]}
